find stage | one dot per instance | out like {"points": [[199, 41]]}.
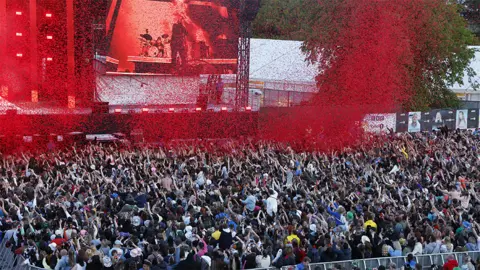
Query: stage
{"points": [[36, 130], [161, 65]]}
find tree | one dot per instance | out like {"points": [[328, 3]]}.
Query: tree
{"points": [[379, 54], [281, 19], [471, 12]]}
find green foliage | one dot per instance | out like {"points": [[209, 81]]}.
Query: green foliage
{"points": [[444, 60], [439, 51], [283, 19]]}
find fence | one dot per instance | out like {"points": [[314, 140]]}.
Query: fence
{"points": [[426, 261]]}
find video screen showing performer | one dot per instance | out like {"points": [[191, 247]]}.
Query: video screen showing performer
{"points": [[172, 31], [179, 41]]}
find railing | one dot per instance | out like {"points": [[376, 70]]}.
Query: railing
{"points": [[8, 259], [426, 261]]}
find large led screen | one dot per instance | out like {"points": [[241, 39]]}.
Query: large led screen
{"points": [[179, 33]]}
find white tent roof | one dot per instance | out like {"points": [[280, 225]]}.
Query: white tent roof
{"points": [[283, 60], [279, 60]]}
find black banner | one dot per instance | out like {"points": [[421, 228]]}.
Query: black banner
{"points": [[472, 121], [426, 121], [442, 118], [402, 122]]}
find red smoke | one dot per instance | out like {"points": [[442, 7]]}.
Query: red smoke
{"points": [[366, 60]]}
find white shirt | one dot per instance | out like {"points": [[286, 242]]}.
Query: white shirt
{"points": [[418, 249], [272, 204], [262, 262]]}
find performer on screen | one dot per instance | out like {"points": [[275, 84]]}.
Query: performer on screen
{"points": [[146, 42], [178, 42], [147, 36], [166, 45]]}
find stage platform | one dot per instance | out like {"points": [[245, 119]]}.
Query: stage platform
{"points": [[145, 64], [44, 108]]}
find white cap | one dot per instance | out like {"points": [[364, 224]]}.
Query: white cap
{"points": [[53, 246], [136, 252], [365, 239]]}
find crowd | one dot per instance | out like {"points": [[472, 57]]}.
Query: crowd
{"points": [[242, 205]]}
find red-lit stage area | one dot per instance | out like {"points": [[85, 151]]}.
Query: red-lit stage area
{"points": [[133, 67]]}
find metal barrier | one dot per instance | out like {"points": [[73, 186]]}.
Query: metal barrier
{"points": [[426, 261], [8, 259]]}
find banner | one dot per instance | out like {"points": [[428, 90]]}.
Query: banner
{"points": [[461, 119], [472, 121], [422, 121], [426, 121], [441, 118], [414, 124], [380, 122], [402, 122]]}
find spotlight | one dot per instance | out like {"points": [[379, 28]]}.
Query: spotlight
{"points": [[171, 109], [18, 13], [49, 37], [145, 110], [224, 109], [19, 34], [248, 108], [48, 15], [118, 111], [49, 59], [19, 54], [198, 109]]}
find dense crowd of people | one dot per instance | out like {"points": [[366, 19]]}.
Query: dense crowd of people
{"points": [[242, 205]]}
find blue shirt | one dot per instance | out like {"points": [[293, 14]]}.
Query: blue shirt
{"points": [[300, 266], [250, 202]]}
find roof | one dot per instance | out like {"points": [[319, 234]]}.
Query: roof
{"points": [[283, 60], [279, 60]]}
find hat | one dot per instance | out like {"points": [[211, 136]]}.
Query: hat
{"points": [[53, 246], [136, 252], [313, 227], [467, 225], [349, 215], [107, 262], [209, 182], [117, 243], [146, 223], [136, 221], [114, 195], [365, 239], [58, 232]]}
